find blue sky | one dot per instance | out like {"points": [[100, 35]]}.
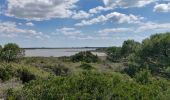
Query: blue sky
{"points": [[79, 23]]}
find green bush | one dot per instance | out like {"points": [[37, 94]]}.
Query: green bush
{"points": [[143, 76], [25, 76], [11, 52], [114, 54], [86, 56], [86, 66], [93, 85], [61, 70], [6, 72]]}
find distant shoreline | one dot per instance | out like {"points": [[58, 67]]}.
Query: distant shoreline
{"points": [[65, 48]]}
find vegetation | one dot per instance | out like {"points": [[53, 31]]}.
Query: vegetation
{"points": [[129, 47], [114, 54], [11, 52], [143, 73], [86, 56], [6, 72], [94, 85], [154, 55], [86, 66]]}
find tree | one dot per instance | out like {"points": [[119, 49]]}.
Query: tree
{"points": [[155, 52], [0, 47], [114, 54], [129, 47], [11, 52]]}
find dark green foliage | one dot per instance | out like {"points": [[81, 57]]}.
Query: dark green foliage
{"points": [[61, 70], [86, 66], [118, 54], [6, 72], [114, 54], [25, 76], [0, 47], [129, 47], [153, 54], [132, 69], [64, 59], [92, 86], [143, 76], [85, 56], [11, 94], [11, 52]]}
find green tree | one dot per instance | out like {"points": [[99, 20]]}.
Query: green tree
{"points": [[0, 47], [129, 47], [114, 54], [11, 52], [155, 52]]}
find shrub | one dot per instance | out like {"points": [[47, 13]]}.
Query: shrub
{"points": [[11, 52], [114, 54], [86, 66], [26, 76], [11, 94], [93, 85], [6, 72], [86, 56], [143, 76], [61, 70]]}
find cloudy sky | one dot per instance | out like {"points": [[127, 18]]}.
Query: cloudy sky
{"points": [[77, 23]]}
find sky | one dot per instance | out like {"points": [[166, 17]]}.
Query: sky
{"points": [[81, 23]]}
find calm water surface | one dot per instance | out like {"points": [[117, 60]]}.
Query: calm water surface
{"points": [[57, 52]]}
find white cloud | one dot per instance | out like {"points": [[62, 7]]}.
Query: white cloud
{"points": [[29, 24], [153, 26], [106, 32], [40, 9], [10, 29], [127, 3], [114, 16], [111, 4], [73, 33], [69, 31], [99, 9], [162, 7], [81, 15]]}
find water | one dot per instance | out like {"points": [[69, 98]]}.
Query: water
{"points": [[58, 52]]}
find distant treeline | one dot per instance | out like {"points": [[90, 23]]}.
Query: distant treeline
{"points": [[65, 48]]}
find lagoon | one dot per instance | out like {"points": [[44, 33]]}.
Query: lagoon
{"points": [[59, 52]]}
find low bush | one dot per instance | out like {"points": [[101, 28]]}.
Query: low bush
{"points": [[61, 70], [26, 76], [6, 72], [93, 85], [86, 56], [86, 66], [143, 76]]}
